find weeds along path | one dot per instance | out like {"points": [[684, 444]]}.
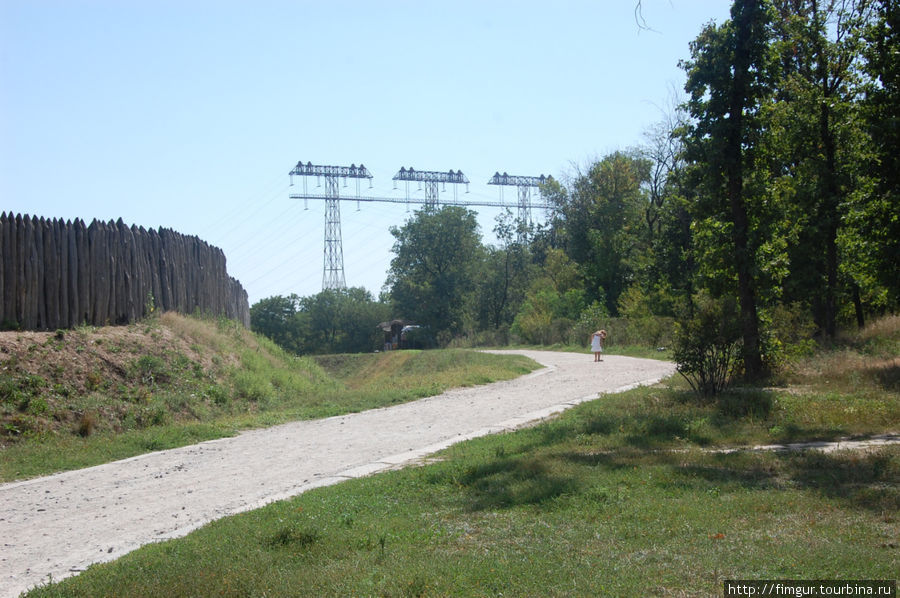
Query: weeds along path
{"points": [[58, 525]]}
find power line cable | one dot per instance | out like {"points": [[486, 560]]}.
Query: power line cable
{"points": [[231, 215], [265, 234]]}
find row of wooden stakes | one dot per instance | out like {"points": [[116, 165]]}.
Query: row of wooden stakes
{"points": [[59, 274]]}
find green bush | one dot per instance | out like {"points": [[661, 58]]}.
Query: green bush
{"points": [[708, 344], [150, 369], [532, 325]]}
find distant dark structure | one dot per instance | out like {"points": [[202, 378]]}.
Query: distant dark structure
{"points": [[56, 274], [403, 334], [392, 332]]}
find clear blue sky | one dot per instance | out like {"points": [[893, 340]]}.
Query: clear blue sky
{"points": [[189, 114]]}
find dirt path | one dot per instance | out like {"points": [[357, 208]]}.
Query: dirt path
{"points": [[60, 524]]}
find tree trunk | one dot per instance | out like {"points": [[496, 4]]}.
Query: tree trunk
{"points": [[828, 210], [734, 185]]}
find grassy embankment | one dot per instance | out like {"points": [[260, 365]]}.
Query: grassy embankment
{"points": [[618, 497], [71, 399]]}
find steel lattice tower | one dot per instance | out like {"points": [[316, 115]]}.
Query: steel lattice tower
{"points": [[333, 272], [524, 184]]}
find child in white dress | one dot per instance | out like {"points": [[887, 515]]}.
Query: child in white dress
{"points": [[597, 344]]}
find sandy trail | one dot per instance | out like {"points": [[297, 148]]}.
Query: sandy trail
{"points": [[58, 525]]}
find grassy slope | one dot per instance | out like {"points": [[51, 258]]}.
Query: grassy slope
{"points": [[616, 497], [76, 398]]}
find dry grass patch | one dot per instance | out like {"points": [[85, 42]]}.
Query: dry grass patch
{"points": [[886, 327]]}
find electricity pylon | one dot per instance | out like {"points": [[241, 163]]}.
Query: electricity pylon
{"points": [[524, 184], [333, 273]]}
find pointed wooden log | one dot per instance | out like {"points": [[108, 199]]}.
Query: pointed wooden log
{"points": [[4, 268]]}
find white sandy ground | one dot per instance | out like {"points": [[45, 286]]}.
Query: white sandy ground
{"points": [[58, 525]]}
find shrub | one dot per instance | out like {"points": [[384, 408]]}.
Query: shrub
{"points": [[86, 424], [93, 380], [533, 325], [417, 338], [708, 344], [151, 369], [492, 337]]}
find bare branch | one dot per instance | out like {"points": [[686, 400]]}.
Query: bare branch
{"points": [[639, 16]]}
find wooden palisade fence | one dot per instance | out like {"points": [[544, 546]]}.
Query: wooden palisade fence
{"points": [[56, 274]]}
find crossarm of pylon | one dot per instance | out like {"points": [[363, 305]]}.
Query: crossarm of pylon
{"points": [[411, 174], [518, 181], [309, 169]]}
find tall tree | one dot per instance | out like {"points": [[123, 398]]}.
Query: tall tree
{"points": [[728, 79], [883, 117], [663, 148], [332, 321], [666, 270], [817, 118], [276, 318], [342, 320], [433, 273], [602, 218], [505, 274]]}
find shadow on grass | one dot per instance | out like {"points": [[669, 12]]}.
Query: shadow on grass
{"points": [[531, 440], [654, 430], [745, 403], [886, 375], [726, 472], [687, 418], [565, 457], [867, 480], [511, 482]]}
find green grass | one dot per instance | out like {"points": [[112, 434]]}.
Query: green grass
{"points": [[67, 452], [415, 374], [608, 499]]}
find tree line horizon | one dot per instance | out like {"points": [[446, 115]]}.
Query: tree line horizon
{"points": [[769, 197]]}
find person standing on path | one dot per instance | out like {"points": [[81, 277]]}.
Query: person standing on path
{"points": [[597, 344]]}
